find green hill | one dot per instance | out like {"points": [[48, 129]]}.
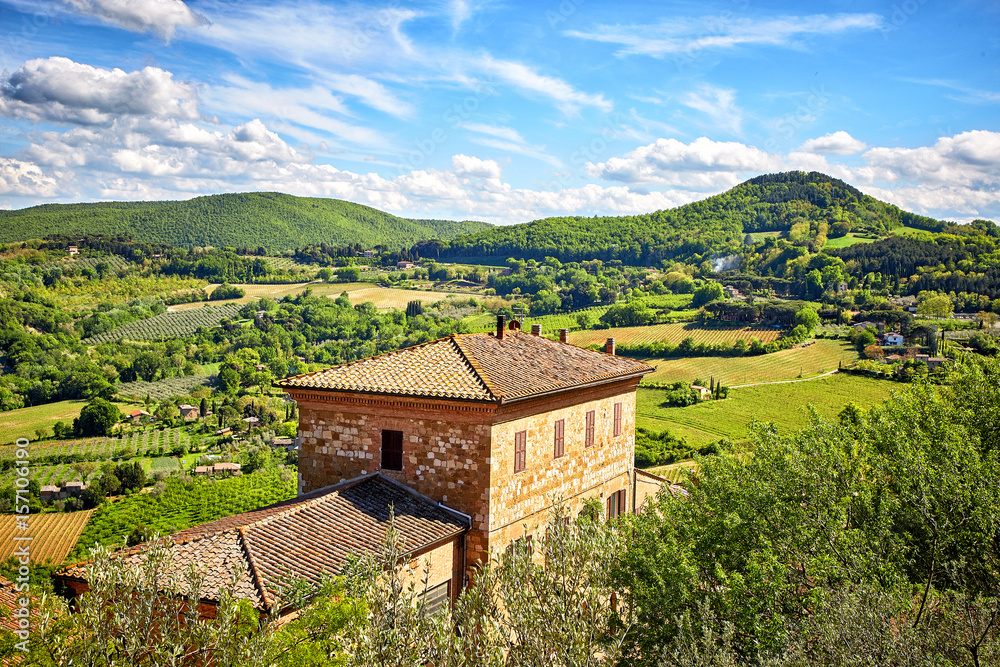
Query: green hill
{"points": [[245, 220], [809, 204]]}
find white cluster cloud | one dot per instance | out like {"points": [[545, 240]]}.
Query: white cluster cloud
{"points": [[966, 159], [25, 179], [473, 167], [835, 143], [703, 164], [161, 17], [61, 90]]}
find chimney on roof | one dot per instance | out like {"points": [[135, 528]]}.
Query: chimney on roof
{"points": [[501, 325], [536, 329], [609, 346], [564, 335]]}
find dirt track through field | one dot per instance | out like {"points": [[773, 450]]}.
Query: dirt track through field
{"points": [[757, 384]]}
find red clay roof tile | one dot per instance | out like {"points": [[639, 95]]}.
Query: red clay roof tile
{"points": [[477, 367]]}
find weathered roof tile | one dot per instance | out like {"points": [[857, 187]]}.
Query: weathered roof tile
{"points": [[302, 538], [479, 367]]}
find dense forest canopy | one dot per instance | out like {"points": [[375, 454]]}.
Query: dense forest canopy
{"points": [[807, 205], [274, 221]]}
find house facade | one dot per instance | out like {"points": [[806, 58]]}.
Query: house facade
{"points": [[496, 426], [467, 441]]}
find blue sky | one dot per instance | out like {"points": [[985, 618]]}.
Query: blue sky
{"points": [[499, 111]]}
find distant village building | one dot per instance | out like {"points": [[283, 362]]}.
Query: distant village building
{"points": [[842, 286], [468, 438], [704, 393], [138, 415], [368, 253], [219, 469], [189, 411], [73, 250], [893, 339], [732, 292], [404, 265]]}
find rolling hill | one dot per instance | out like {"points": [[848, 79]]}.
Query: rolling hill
{"points": [[716, 225], [270, 220]]}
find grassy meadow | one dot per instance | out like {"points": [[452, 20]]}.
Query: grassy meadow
{"points": [[782, 404], [816, 359], [22, 423], [674, 333]]}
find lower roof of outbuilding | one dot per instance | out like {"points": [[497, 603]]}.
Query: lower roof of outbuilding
{"points": [[304, 538]]}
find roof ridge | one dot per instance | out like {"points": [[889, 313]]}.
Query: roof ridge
{"points": [[470, 359], [258, 580]]}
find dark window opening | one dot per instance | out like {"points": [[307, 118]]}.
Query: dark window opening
{"points": [[392, 450]]}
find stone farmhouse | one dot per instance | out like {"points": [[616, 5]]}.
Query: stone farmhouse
{"points": [[471, 439]]}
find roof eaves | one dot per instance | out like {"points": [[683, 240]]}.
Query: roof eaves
{"points": [[603, 379]]}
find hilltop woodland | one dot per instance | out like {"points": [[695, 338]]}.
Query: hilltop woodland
{"points": [[869, 541], [273, 221]]}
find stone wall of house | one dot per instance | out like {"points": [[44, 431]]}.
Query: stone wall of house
{"points": [[520, 501], [446, 447], [441, 564], [461, 453]]}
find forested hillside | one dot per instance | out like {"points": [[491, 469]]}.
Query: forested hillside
{"points": [[270, 220], [809, 207]]}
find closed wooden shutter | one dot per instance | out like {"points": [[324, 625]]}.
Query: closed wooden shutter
{"points": [[589, 438], [618, 419], [559, 445], [520, 450], [392, 450]]}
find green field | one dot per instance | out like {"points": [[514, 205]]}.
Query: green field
{"points": [[782, 404], [816, 359], [845, 241], [184, 504], [22, 423]]}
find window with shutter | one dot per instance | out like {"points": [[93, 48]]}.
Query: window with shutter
{"points": [[392, 450], [520, 447], [618, 419], [589, 437], [437, 597], [617, 504], [559, 445]]}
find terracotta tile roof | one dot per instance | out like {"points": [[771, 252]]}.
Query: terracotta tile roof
{"points": [[301, 538], [10, 601], [477, 367]]}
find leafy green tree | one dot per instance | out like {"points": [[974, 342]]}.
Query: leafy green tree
{"points": [[808, 318], [146, 366], [97, 418], [708, 292], [229, 380], [628, 314]]}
